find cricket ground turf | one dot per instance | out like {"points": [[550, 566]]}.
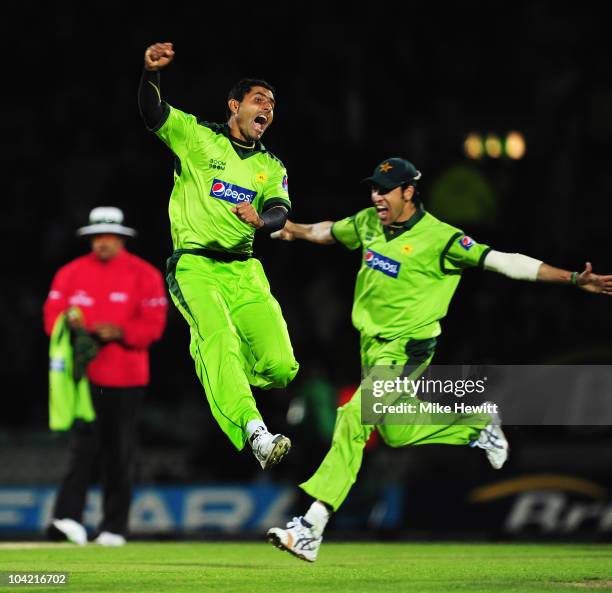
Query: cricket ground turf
{"points": [[190, 567]]}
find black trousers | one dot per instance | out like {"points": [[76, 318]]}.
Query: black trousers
{"points": [[108, 444]]}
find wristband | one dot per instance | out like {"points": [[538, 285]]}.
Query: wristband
{"points": [[574, 279]]}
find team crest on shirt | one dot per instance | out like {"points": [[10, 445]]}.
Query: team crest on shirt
{"points": [[407, 249], [466, 242], [285, 183], [261, 178]]}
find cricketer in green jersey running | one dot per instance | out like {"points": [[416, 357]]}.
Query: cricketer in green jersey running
{"points": [[226, 186], [411, 266]]}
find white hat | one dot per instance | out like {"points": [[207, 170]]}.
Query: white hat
{"points": [[106, 219]]}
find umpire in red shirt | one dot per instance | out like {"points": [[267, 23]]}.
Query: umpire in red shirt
{"points": [[124, 305]]}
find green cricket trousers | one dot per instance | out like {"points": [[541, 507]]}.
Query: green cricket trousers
{"points": [[338, 471], [238, 335]]}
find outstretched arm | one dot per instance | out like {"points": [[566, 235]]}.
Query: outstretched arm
{"points": [[156, 57], [586, 280], [319, 232], [522, 267]]}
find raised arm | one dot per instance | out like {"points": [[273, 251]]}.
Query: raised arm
{"points": [[156, 57], [318, 232]]}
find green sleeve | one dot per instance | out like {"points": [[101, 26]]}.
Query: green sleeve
{"points": [[176, 129], [276, 186], [460, 252], [345, 232]]}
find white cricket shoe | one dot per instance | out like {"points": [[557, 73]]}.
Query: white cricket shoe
{"points": [[106, 538], [493, 440], [72, 529], [298, 539], [269, 448]]}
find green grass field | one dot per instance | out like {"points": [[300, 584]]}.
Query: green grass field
{"points": [[363, 567]]}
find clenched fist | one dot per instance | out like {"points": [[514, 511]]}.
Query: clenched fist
{"points": [[158, 56], [245, 212]]}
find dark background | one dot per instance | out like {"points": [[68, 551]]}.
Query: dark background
{"points": [[353, 87]]}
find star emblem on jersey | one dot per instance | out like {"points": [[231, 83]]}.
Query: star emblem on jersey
{"points": [[407, 249], [385, 168], [261, 178]]}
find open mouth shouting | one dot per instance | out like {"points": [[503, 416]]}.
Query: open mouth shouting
{"points": [[383, 212], [260, 123]]}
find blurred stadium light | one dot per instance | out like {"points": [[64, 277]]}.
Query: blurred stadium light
{"points": [[513, 145], [493, 146], [473, 146]]}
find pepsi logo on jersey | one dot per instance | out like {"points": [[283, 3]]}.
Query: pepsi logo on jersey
{"points": [[230, 192], [466, 242], [383, 264]]}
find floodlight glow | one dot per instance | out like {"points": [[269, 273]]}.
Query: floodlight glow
{"points": [[473, 146], [515, 145], [493, 146]]}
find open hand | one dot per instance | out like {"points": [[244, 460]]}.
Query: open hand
{"points": [[591, 282]]}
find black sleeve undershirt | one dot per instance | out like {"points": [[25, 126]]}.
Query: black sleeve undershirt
{"points": [[149, 99], [274, 218]]}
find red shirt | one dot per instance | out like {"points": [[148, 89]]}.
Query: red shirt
{"points": [[126, 291]]}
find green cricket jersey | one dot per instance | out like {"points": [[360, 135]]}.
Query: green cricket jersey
{"points": [[212, 174], [409, 272]]}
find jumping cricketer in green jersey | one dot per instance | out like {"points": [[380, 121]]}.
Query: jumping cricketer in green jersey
{"points": [[226, 186], [411, 266]]}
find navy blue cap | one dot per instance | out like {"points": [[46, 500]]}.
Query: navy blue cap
{"points": [[393, 172]]}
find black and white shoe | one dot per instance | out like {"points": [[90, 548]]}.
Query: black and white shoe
{"points": [[269, 449]]}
